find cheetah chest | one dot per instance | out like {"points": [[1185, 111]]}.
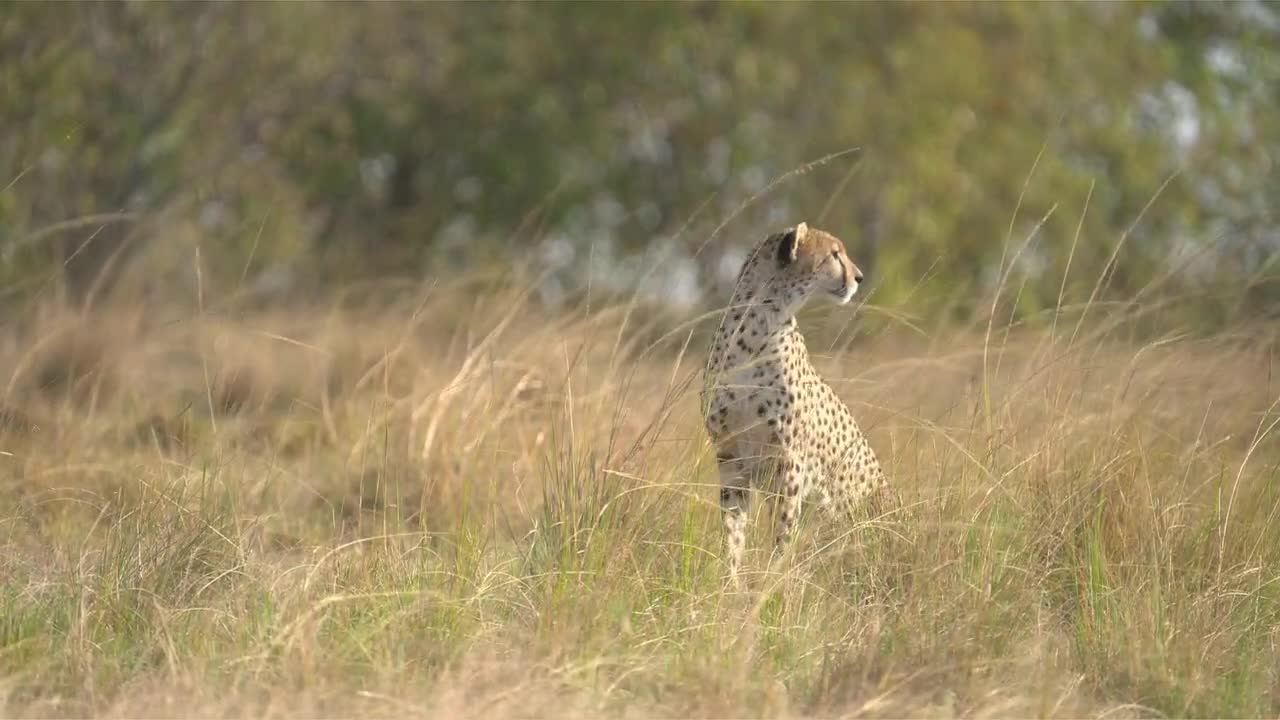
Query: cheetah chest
{"points": [[754, 401]]}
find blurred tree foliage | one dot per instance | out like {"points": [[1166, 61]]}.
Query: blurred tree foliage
{"points": [[335, 141]]}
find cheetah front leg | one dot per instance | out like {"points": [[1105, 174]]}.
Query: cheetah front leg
{"points": [[791, 486], [735, 502]]}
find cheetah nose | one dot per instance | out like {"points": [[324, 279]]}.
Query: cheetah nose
{"points": [[857, 276]]}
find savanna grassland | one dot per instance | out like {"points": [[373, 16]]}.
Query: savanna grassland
{"points": [[343, 370], [443, 500]]}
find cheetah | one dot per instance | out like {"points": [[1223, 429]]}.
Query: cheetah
{"points": [[768, 413]]}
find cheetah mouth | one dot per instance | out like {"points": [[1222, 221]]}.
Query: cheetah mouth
{"points": [[844, 294]]}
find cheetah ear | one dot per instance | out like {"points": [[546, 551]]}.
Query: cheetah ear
{"points": [[789, 245]]}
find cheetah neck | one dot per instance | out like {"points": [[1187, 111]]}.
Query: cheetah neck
{"points": [[752, 327], [760, 319]]}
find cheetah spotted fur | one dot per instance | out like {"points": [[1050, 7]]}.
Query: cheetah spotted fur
{"points": [[773, 420]]}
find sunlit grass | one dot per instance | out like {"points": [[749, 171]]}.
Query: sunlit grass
{"points": [[452, 503]]}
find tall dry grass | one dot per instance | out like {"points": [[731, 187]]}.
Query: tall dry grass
{"points": [[443, 501]]}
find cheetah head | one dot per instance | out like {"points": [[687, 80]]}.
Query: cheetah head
{"points": [[811, 262]]}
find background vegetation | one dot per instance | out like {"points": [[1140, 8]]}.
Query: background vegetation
{"points": [[349, 356], [300, 144]]}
